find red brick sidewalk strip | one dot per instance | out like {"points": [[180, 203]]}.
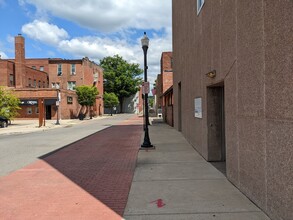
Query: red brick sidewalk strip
{"points": [[89, 179]]}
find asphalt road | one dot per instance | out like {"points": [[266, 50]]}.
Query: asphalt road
{"points": [[19, 150]]}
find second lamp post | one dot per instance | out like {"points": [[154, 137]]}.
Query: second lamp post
{"points": [[146, 142]]}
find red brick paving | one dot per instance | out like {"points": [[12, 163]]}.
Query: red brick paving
{"points": [[89, 179]]}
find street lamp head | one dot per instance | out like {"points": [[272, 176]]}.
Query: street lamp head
{"points": [[145, 41]]}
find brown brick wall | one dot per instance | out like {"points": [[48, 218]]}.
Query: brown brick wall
{"points": [[167, 78], [19, 61], [30, 81], [6, 68], [166, 71], [168, 117], [38, 63], [159, 91], [40, 77], [68, 110]]}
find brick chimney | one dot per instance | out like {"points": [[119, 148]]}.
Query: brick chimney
{"points": [[19, 61]]}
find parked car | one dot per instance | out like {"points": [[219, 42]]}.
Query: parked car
{"points": [[3, 122]]}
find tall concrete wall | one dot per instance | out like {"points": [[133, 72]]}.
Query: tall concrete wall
{"points": [[249, 44]]}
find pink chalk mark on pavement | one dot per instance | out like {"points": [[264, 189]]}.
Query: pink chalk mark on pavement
{"points": [[159, 203]]}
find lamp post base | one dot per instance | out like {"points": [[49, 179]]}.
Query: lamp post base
{"points": [[147, 147]]}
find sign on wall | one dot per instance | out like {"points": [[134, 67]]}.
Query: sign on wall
{"points": [[197, 108], [29, 102]]}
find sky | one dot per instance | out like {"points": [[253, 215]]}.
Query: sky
{"points": [[73, 29]]}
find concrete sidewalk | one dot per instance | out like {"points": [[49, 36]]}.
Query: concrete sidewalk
{"points": [[32, 125], [175, 182]]}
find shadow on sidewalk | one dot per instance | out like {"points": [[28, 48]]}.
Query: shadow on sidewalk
{"points": [[102, 164]]}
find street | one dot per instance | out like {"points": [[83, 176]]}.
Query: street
{"points": [[18, 150]]}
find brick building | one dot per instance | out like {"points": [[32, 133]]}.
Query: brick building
{"points": [[164, 91], [233, 92], [52, 80]]}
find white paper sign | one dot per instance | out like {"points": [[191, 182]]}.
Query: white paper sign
{"points": [[197, 108]]}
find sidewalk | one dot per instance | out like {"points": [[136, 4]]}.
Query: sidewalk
{"points": [[173, 182], [32, 125]]}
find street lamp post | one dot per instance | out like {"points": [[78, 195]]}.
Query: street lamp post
{"points": [[57, 106], [146, 142]]}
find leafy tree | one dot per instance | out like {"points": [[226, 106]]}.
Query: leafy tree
{"points": [[9, 103], [151, 101], [121, 78], [86, 95], [110, 100]]}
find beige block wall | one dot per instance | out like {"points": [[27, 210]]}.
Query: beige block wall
{"points": [[249, 44]]}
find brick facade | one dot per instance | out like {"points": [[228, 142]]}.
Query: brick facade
{"points": [[163, 84], [42, 78], [166, 71]]}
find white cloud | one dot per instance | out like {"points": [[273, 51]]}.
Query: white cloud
{"points": [[3, 55], [110, 15], [44, 32], [97, 48], [10, 39], [122, 18]]}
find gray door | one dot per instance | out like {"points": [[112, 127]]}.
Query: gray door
{"points": [[216, 123]]}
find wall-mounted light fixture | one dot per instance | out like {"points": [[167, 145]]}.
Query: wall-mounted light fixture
{"points": [[211, 74]]}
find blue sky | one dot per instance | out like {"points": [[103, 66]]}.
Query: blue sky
{"points": [[73, 29]]}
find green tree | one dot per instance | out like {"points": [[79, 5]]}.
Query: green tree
{"points": [[110, 100], [9, 104], [121, 78], [86, 95], [151, 101]]}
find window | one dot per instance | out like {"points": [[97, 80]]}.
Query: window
{"points": [[56, 85], [29, 110], [71, 85], [73, 69], [199, 5], [29, 82], [59, 70], [69, 100], [11, 80], [35, 83], [39, 84], [96, 77], [44, 84], [34, 67], [41, 68]]}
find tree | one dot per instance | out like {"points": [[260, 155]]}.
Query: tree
{"points": [[86, 95], [151, 101], [110, 100], [9, 104], [121, 78]]}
